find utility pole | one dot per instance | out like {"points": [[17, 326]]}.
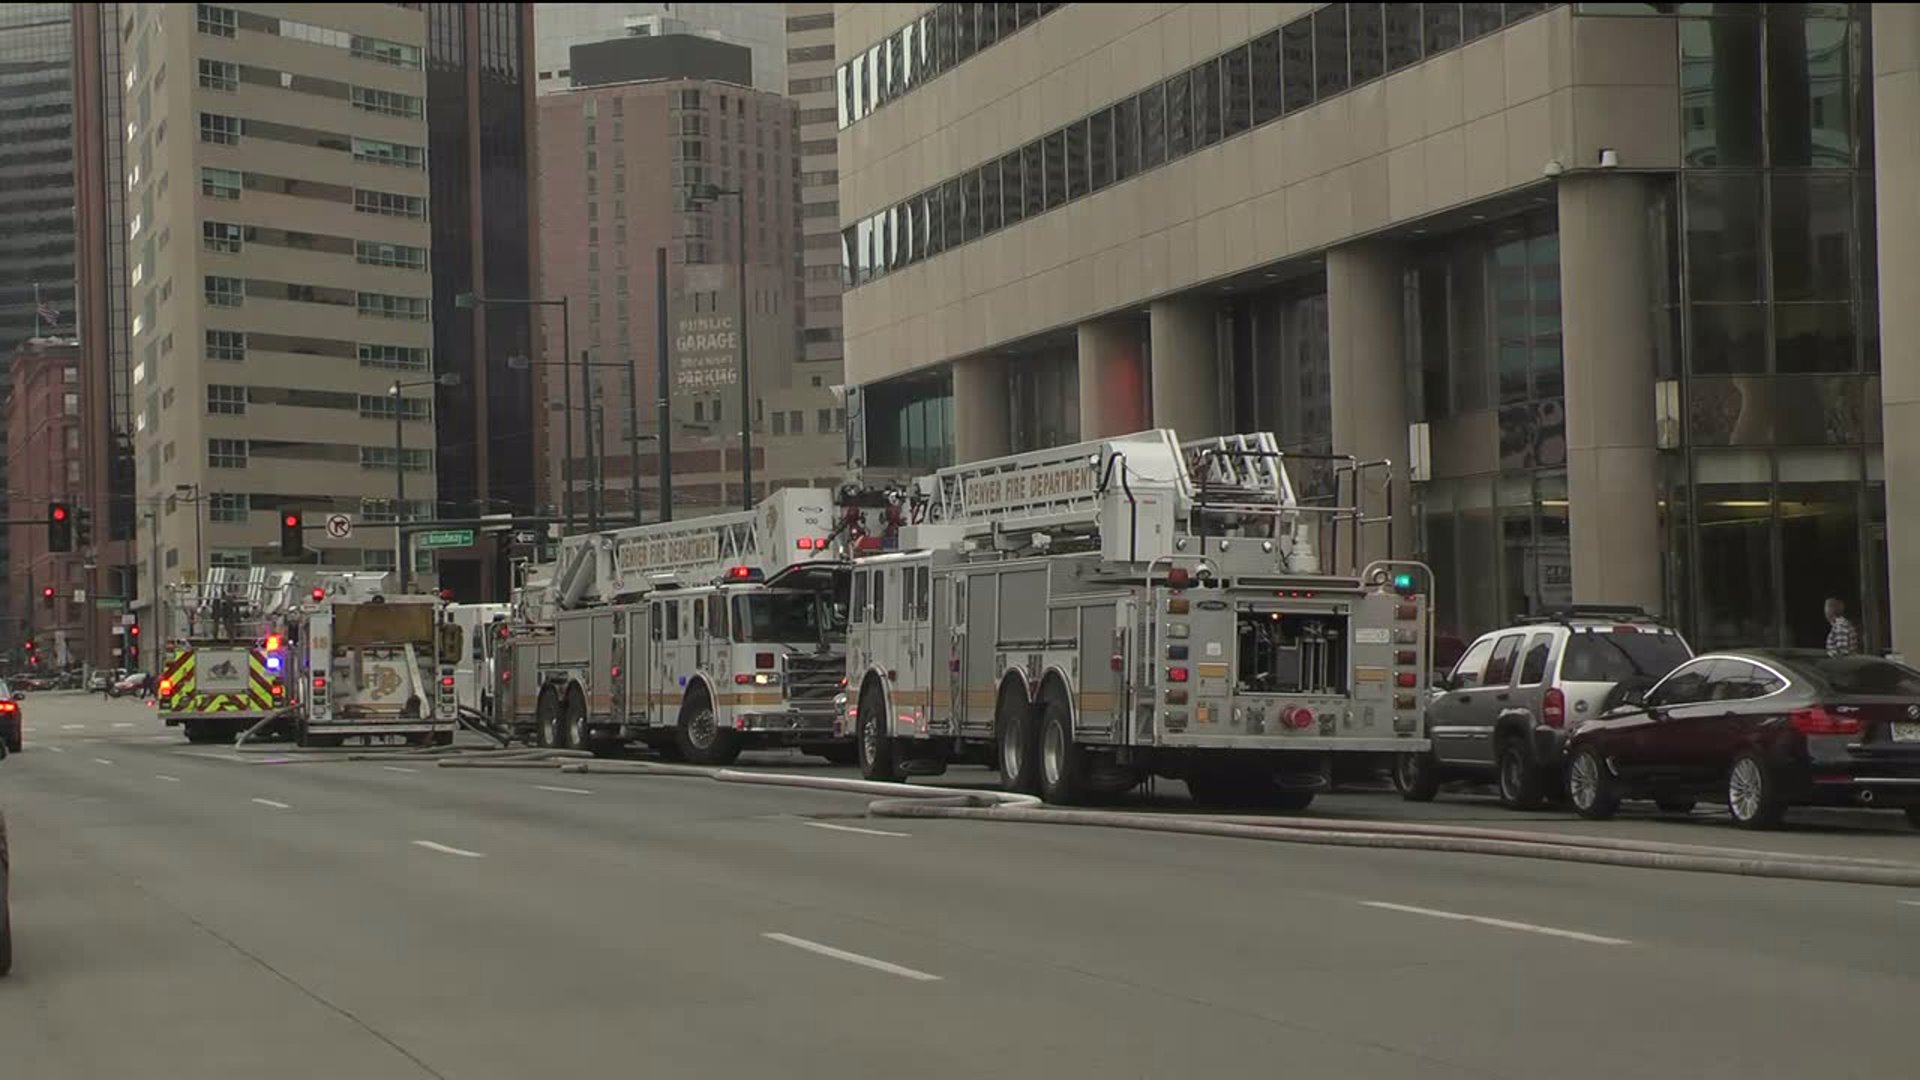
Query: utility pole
{"points": [[663, 379]]}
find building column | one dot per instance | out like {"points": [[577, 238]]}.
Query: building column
{"points": [[982, 425], [1185, 370], [1113, 376], [1366, 341], [1607, 349], [1896, 170]]}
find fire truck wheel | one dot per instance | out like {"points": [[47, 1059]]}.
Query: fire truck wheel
{"points": [[1014, 730], [1416, 777], [876, 745], [1064, 769], [579, 734], [702, 740], [548, 729]]}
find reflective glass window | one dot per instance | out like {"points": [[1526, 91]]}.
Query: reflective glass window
{"points": [[1179, 117], [1366, 41], [1203, 85], [1720, 92], [1296, 48], [1330, 49], [1266, 77]]}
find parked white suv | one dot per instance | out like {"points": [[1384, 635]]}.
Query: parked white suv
{"points": [[1504, 711]]}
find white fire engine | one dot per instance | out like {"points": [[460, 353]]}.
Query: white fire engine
{"points": [[1094, 614], [368, 664], [698, 638]]}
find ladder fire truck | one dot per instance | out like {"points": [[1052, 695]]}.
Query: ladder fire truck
{"points": [[369, 664], [699, 638], [1094, 614], [221, 675]]}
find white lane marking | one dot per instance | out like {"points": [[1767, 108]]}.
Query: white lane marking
{"points": [[851, 958], [852, 829], [563, 790], [398, 768], [168, 779], [73, 727], [101, 761], [445, 850], [123, 724], [1911, 903], [275, 805], [28, 729], [57, 749], [1503, 924]]}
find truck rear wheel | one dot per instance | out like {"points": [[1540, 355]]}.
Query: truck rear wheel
{"points": [[548, 729], [1015, 732], [1064, 768], [702, 741], [579, 732], [875, 741]]}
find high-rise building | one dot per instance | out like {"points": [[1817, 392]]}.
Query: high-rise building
{"points": [[279, 274], [1627, 291], [622, 169], [36, 204], [479, 112], [810, 82], [52, 589], [559, 27]]}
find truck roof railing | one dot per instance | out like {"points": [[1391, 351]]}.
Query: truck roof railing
{"points": [[1620, 613]]}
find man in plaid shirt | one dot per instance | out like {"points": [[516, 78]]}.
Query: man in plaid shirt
{"points": [[1842, 638]]}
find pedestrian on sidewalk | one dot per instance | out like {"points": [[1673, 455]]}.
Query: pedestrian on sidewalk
{"points": [[1842, 638]]}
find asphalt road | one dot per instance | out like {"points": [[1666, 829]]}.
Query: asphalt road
{"points": [[186, 911]]}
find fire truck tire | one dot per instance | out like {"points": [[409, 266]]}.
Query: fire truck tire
{"points": [[876, 745], [443, 738], [701, 739], [1019, 740], [579, 733], [1416, 777], [1065, 772], [1291, 800], [549, 731]]}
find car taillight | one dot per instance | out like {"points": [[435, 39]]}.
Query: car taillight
{"points": [[1818, 721], [9, 706], [1553, 710]]}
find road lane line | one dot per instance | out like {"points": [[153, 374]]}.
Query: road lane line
{"points": [[1503, 924], [851, 958], [852, 829], [101, 761], [564, 790], [73, 727], [275, 805], [1911, 903], [445, 850], [123, 724], [56, 749], [168, 779], [398, 768]]}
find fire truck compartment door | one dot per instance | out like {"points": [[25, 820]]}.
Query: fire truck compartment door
{"points": [[223, 671]]}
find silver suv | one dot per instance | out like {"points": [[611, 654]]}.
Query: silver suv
{"points": [[1504, 710]]}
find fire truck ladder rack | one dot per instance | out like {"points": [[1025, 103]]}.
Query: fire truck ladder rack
{"points": [[602, 567]]}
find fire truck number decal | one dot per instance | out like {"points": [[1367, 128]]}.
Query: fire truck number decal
{"points": [[669, 551], [1013, 489]]}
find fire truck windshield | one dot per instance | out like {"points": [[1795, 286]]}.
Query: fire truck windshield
{"points": [[796, 618]]}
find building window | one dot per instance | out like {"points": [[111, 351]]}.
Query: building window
{"points": [[219, 183], [228, 345], [385, 52], [385, 102], [218, 129], [218, 21], [225, 400], [220, 236], [226, 453], [225, 291], [227, 508], [372, 253], [394, 357], [380, 407], [219, 75], [386, 153], [389, 204], [70, 404], [232, 557], [388, 306], [381, 457]]}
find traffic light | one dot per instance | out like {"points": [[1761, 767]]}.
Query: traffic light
{"points": [[46, 596], [29, 644], [59, 527], [293, 540], [83, 527], [134, 630]]}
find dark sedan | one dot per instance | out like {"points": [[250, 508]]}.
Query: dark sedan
{"points": [[13, 722], [1765, 730]]}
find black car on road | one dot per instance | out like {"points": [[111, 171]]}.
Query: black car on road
{"points": [[1764, 729], [13, 722]]}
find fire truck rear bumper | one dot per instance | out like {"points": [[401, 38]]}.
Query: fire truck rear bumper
{"points": [[1299, 744], [814, 724], [175, 719]]}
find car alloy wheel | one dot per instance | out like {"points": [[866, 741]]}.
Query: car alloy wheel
{"points": [[1583, 782], [1746, 788]]}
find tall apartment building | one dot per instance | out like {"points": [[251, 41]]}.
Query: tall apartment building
{"points": [[1629, 290], [810, 82], [559, 27], [279, 254], [619, 166], [36, 204], [53, 590]]}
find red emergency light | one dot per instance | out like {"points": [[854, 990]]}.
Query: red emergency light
{"points": [[279, 690], [319, 594], [742, 573], [446, 681], [166, 687], [273, 642], [319, 682]]}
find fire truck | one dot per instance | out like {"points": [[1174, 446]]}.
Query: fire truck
{"points": [[222, 673], [471, 642], [1088, 616], [368, 664], [698, 638]]}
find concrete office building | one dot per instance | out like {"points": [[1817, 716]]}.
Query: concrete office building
{"points": [[559, 27], [1613, 277], [278, 251], [810, 83], [617, 166]]}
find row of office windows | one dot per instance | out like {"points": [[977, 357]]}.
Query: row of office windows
{"points": [[234, 346], [238, 453], [1276, 74], [226, 22], [227, 76], [231, 399], [945, 36], [223, 291], [228, 184]]}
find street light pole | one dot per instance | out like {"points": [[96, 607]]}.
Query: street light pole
{"points": [[474, 300], [663, 385]]}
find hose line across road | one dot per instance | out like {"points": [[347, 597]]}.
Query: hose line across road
{"points": [[923, 801]]}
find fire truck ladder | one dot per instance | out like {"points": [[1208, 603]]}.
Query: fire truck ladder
{"points": [[1244, 489], [598, 568]]}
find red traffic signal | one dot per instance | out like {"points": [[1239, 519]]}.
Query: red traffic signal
{"points": [[293, 542], [59, 512], [29, 646], [47, 593], [134, 630]]}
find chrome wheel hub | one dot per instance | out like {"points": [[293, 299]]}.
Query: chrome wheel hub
{"points": [[1053, 753], [1744, 788], [1010, 752], [700, 728], [1583, 783]]}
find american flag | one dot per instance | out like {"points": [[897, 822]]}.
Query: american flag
{"points": [[47, 312]]}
